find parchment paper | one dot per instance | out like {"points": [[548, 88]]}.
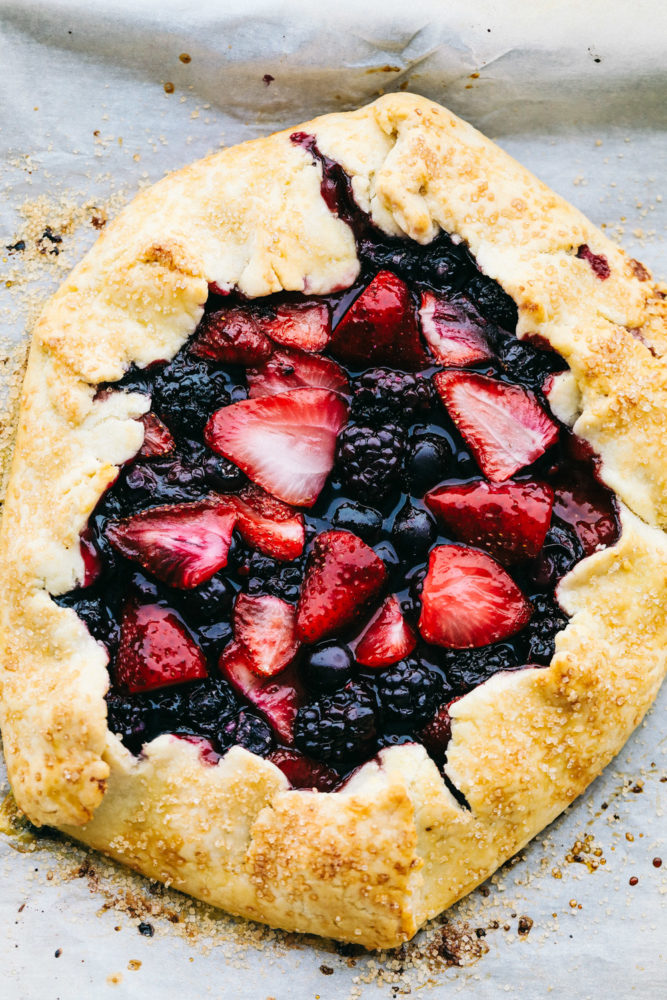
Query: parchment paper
{"points": [[96, 103]]}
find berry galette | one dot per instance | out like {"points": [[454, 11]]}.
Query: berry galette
{"points": [[333, 552]]}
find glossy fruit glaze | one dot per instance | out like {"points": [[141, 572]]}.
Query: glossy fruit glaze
{"points": [[338, 608]]}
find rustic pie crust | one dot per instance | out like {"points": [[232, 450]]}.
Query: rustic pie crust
{"points": [[370, 862]]}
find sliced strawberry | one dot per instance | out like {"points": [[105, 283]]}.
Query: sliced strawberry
{"points": [[285, 443], [277, 699], [468, 600], [267, 524], [286, 370], [305, 325], [304, 772], [343, 576], [504, 425], [181, 544], [510, 520], [156, 649], [589, 508], [454, 330], [386, 639], [234, 336], [157, 437], [265, 626], [380, 328]]}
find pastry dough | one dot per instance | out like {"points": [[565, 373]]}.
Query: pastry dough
{"points": [[371, 862]]}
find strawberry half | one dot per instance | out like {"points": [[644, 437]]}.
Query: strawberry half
{"points": [[510, 520], [157, 437], [265, 627], [304, 772], [156, 650], [590, 510], [343, 576], [454, 330], [468, 600], [284, 443], [504, 425], [386, 639], [277, 700], [380, 328], [234, 336], [182, 545], [266, 523], [306, 325], [286, 370]]}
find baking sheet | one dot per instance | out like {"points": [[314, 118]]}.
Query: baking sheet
{"points": [[96, 103]]}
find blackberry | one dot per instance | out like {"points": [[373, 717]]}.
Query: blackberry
{"points": [[166, 480], [223, 475], [383, 395], [261, 574], [547, 620], [186, 392], [466, 668], [207, 705], [370, 460], [95, 614], [128, 719], [362, 521], [560, 552], [210, 600], [528, 365], [493, 303], [440, 263], [249, 731], [409, 693], [340, 728], [412, 533]]}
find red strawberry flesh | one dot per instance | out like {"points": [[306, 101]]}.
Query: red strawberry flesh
{"points": [[343, 577], [286, 370], [304, 325], [504, 425], [284, 443], [278, 699], [266, 523], [387, 638], [156, 650], [380, 328], [468, 600], [233, 336], [304, 772], [265, 627], [182, 545], [453, 330], [510, 520], [157, 437]]}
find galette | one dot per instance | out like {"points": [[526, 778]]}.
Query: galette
{"points": [[333, 554]]}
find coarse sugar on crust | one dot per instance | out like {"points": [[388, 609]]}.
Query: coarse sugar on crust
{"points": [[371, 862]]}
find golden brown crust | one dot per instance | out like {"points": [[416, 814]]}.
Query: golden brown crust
{"points": [[372, 862]]}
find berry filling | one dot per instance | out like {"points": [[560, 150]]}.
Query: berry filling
{"points": [[347, 512]]}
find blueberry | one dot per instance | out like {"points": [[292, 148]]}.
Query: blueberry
{"points": [[362, 521], [428, 461], [213, 638], [210, 600], [388, 555], [413, 532], [327, 666]]}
